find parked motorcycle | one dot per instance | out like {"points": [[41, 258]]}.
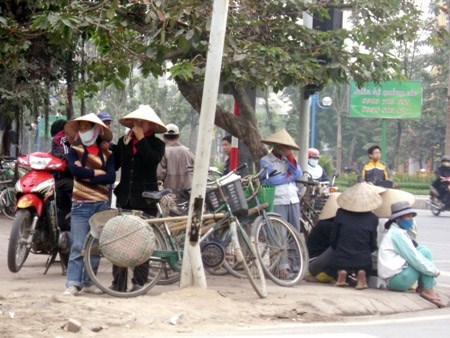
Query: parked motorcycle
{"points": [[437, 205], [35, 228]]}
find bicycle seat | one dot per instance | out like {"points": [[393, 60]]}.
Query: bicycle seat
{"points": [[156, 195]]}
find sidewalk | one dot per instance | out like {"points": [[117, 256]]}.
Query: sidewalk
{"points": [[347, 301]]}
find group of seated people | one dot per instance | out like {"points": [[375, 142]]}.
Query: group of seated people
{"points": [[344, 248]]}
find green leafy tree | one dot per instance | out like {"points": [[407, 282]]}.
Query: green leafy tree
{"points": [[266, 45]]}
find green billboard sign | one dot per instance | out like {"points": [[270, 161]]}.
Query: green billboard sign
{"points": [[389, 100]]}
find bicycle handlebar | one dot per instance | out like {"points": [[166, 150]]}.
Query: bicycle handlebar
{"points": [[308, 182]]}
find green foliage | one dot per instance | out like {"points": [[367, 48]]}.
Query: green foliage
{"points": [[326, 162], [415, 184]]}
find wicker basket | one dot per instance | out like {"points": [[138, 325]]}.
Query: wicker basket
{"points": [[127, 240]]}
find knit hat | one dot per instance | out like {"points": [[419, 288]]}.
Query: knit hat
{"points": [[71, 127], [281, 137], [359, 198], [330, 207], [146, 113], [391, 196], [401, 208]]}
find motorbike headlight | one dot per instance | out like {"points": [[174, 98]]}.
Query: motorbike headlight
{"points": [[39, 163]]}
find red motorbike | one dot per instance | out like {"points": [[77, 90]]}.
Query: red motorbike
{"points": [[35, 226], [437, 205]]}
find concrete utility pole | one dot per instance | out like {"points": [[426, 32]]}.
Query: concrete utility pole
{"points": [[447, 125], [192, 273], [305, 112]]}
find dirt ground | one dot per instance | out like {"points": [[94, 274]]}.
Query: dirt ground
{"points": [[32, 305]]}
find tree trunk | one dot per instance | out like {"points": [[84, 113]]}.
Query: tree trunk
{"points": [[398, 139], [69, 85], [339, 141], [244, 126]]}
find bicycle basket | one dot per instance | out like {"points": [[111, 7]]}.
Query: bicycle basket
{"points": [[266, 194], [127, 240], [234, 195]]}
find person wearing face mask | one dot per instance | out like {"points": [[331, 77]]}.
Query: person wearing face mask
{"points": [[92, 166], [282, 160], [314, 168], [401, 263], [137, 154]]}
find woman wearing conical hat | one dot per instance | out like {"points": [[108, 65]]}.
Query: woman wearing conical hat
{"points": [[282, 160], [137, 154], [321, 262], [92, 165], [354, 235]]}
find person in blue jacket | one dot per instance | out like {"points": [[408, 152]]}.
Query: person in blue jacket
{"points": [[282, 160]]}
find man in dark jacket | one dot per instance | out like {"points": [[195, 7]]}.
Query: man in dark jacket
{"points": [[441, 187], [137, 154], [63, 180]]}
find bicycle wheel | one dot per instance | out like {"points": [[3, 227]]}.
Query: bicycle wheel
{"points": [[167, 274], [8, 202], [246, 254], [102, 276], [306, 223], [231, 264], [280, 249]]}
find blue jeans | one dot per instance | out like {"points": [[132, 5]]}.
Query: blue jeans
{"points": [[81, 212], [409, 276]]}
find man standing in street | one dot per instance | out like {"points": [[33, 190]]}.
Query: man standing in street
{"points": [[374, 171], [176, 166]]}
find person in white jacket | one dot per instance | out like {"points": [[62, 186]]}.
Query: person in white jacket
{"points": [[401, 262]]}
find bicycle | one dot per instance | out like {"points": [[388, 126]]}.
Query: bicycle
{"points": [[313, 199], [168, 253], [279, 245], [8, 193]]}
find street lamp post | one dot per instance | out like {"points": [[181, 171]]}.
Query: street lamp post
{"points": [[326, 103]]}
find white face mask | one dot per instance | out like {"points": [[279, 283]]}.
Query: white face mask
{"points": [[88, 137], [313, 162]]}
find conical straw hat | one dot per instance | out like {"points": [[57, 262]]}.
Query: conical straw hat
{"points": [[377, 189], [281, 137], [330, 207], [359, 198], [391, 196], [71, 127], [146, 113]]}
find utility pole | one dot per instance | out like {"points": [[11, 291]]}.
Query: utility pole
{"points": [[192, 273], [305, 113], [447, 125]]}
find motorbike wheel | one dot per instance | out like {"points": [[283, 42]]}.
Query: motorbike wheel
{"points": [[18, 249], [434, 206]]}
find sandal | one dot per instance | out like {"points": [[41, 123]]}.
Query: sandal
{"points": [[435, 300]]}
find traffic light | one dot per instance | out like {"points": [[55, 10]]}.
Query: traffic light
{"points": [[333, 22]]}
